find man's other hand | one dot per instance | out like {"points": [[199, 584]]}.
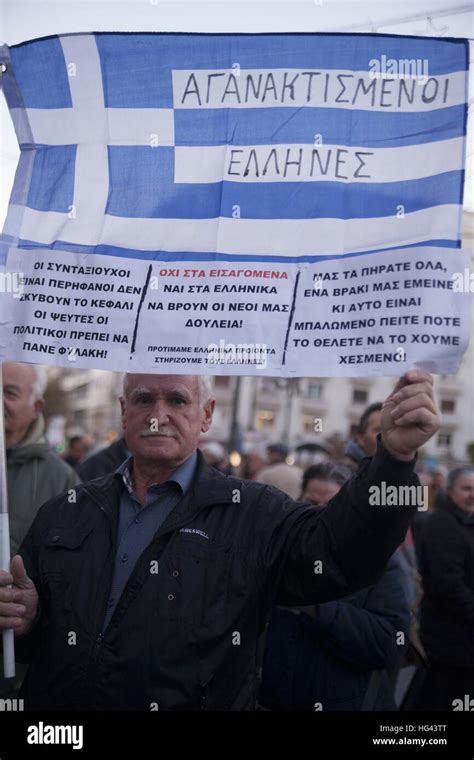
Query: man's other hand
{"points": [[409, 415], [18, 604]]}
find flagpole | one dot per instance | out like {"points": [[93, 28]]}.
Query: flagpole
{"points": [[8, 635]]}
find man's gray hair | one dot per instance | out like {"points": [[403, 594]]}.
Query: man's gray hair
{"points": [[204, 382], [205, 388], [40, 382], [457, 473]]}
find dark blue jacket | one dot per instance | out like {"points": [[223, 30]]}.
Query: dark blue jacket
{"points": [[326, 662]]}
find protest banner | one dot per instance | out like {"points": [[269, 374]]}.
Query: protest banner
{"points": [[240, 203], [356, 316]]}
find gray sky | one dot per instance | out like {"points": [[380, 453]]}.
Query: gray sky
{"points": [[26, 19]]}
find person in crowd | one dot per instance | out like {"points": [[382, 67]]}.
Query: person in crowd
{"points": [[414, 656], [323, 481], [252, 463], [35, 473], [280, 474], [183, 561], [437, 488], [364, 443], [215, 455], [104, 461], [78, 446], [339, 655], [446, 556]]}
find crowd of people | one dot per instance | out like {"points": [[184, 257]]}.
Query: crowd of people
{"points": [[399, 635], [407, 641]]}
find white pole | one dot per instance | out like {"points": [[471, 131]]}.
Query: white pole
{"points": [[8, 636]]}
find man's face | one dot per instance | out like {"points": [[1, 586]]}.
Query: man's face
{"points": [[163, 417], [320, 491], [20, 410], [368, 439], [462, 493]]}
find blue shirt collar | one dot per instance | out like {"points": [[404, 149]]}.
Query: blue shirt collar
{"points": [[183, 475]]}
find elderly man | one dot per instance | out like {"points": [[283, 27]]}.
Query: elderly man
{"points": [[165, 572], [34, 473]]}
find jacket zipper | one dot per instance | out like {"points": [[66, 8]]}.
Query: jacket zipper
{"points": [[97, 643], [204, 693]]}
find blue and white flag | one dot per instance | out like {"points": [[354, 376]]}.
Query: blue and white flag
{"points": [[260, 153]]}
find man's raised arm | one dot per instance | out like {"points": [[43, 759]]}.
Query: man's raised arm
{"points": [[312, 556]]}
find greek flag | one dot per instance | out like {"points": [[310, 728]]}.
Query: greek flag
{"points": [[257, 147]]}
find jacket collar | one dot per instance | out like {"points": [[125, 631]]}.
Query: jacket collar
{"points": [[33, 445], [209, 487], [183, 476], [449, 506]]}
